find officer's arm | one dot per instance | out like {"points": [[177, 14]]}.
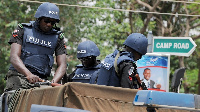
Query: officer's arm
{"points": [[60, 53], [61, 70], [124, 68], [18, 64]]}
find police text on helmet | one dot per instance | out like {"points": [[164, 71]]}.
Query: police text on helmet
{"points": [[53, 12], [81, 51]]}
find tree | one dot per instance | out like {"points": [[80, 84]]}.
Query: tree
{"points": [[171, 25]]}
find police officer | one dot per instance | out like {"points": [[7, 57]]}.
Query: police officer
{"points": [[87, 72], [119, 68], [32, 47]]}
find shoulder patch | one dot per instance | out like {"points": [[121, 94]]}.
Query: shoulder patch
{"points": [[62, 35], [20, 25], [15, 33]]}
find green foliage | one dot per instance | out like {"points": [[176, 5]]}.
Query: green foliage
{"points": [[152, 25], [138, 22], [192, 78], [2, 83]]}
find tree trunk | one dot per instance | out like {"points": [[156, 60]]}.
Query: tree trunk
{"points": [[131, 21]]}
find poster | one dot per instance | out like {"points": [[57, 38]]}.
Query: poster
{"points": [[158, 66]]}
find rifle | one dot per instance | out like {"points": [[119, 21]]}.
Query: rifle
{"points": [[38, 84], [46, 83]]}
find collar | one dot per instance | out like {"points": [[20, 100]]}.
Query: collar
{"points": [[36, 25]]}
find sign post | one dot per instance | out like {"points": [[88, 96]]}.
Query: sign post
{"points": [[181, 46]]}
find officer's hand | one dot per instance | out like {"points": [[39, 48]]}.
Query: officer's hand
{"points": [[55, 84], [33, 78], [140, 88], [138, 78]]}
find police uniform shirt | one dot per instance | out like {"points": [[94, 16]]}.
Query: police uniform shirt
{"points": [[17, 37], [125, 80]]}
